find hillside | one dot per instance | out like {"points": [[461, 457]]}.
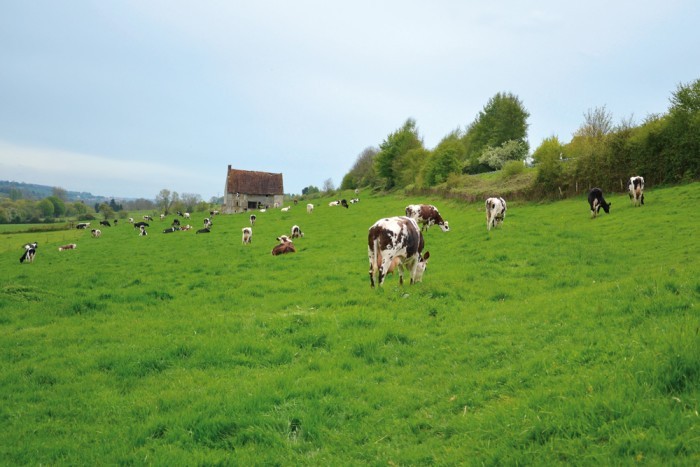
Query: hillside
{"points": [[555, 339], [37, 192]]}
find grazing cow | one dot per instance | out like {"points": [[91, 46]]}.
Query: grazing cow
{"points": [[186, 215], [247, 235], [176, 223], [426, 215], [635, 185], [596, 200], [354, 200], [179, 213], [131, 220], [142, 231], [148, 218], [116, 221], [252, 220], [334, 203], [285, 246], [105, 223], [96, 233], [83, 225], [138, 225], [296, 232], [309, 208], [162, 216], [70, 246], [171, 229], [204, 230], [344, 203], [207, 223], [285, 209], [396, 242], [213, 213], [495, 212], [29, 252]]}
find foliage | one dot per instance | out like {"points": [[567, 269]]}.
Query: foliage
{"points": [[512, 168], [389, 161], [309, 190], [444, 160], [362, 173], [502, 119], [496, 157], [241, 358]]}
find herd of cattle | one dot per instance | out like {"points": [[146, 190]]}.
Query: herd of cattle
{"points": [[393, 243]]}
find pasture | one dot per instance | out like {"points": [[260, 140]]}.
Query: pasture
{"points": [[554, 339]]}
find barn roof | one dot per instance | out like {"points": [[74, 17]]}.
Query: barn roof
{"points": [[253, 183]]}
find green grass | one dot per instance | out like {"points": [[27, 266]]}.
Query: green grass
{"points": [[556, 339]]}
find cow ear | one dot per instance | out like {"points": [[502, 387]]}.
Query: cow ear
{"points": [[426, 256]]}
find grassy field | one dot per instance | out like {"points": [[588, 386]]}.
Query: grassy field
{"points": [[556, 339]]}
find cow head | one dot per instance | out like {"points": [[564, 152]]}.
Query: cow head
{"points": [[420, 267], [606, 207], [445, 226]]}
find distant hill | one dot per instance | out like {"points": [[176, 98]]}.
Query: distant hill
{"points": [[33, 191]]}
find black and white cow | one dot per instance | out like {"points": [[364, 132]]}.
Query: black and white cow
{"points": [[344, 203], [285, 246], [635, 185], [596, 201], [354, 200], [105, 223], [172, 229], [142, 230], [495, 212], [96, 233], [396, 242], [83, 225], [29, 252], [296, 232], [148, 218], [247, 235], [334, 203], [208, 223], [253, 218], [426, 215]]}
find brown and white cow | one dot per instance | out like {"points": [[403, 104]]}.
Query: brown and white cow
{"points": [[635, 185], [396, 242], [285, 246], [247, 235], [70, 246], [426, 215], [495, 212]]}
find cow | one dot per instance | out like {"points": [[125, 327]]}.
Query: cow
{"points": [[96, 233], [186, 215], [142, 231], [29, 252], [186, 227], [171, 229], [344, 203], [285, 246], [70, 246], [138, 225], [83, 225], [354, 200], [204, 230], [635, 185], [247, 235], [285, 209], [296, 232], [495, 212], [176, 223], [148, 218], [116, 221], [105, 223], [309, 208], [596, 200], [396, 242], [208, 223], [334, 203], [162, 216], [213, 213], [253, 218], [426, 215], [131, 220]]}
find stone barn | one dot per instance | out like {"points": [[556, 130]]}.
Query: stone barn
{"points": [[247, 190]]}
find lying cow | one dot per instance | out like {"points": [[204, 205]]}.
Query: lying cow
{"points": [[285, 246], [247, 235], [635, 185], [83, 225], [396, 242], [495, 212], [70, 246], [596, 201], [426, 215]]}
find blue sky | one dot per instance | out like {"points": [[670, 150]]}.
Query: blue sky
{"points": [[125, 98]]}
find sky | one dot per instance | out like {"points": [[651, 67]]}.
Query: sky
{"points": [[126, 98]]}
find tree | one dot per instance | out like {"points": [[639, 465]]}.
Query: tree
{"points": [[496, 157], [59, 207], [328, 185], [164, 201], [362, 172], [502, 119], [190, 201], [445, 160], [60, 193], [392, 150], [684, 133], [597, 124], [107, 211], [309, 190], [45, 208], [548, 157], [15, 194]]}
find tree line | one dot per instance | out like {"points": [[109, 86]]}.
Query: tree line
{"points": [[664, 149]]}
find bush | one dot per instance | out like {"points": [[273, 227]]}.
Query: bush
{"points": [[512, 168]]}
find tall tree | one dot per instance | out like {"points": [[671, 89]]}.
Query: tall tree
{"points": [[502, 119], [164, 201], [362, 172], [393, 149]]}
